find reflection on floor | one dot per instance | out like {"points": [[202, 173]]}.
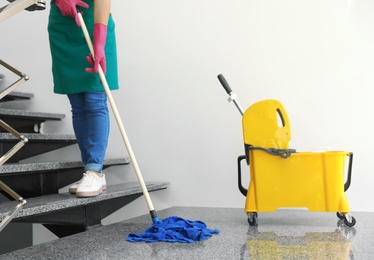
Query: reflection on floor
{"points": [[311, 245], [284, 234]]}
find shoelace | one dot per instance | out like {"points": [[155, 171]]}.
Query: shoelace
{"points": [[87, 179], [78, 182]]}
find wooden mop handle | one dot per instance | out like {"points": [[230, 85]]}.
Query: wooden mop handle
{"points": [[118, 118]]}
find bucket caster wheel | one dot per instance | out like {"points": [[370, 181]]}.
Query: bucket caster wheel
{"points": [[340, 215], [349, 221], [252, 218]]}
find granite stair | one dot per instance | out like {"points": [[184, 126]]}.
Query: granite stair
{"points": [[42, 184], [27, 121], [37, 144], [64, 214], [46, 178], [15, 96]]}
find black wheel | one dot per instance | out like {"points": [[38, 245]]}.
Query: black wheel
{"points": [[252, 219], [340, 215], [350, 224]]}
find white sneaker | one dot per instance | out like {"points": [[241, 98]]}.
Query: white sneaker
{"points": [[91, 185], [73, 188]]}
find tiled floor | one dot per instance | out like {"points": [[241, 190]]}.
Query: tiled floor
{"points": [[285, 234]]}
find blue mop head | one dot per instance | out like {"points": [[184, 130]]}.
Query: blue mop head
{"points": [[174, 229]]}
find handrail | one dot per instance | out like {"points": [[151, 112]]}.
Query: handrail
{"points": [[7, 11], [17, 6]]}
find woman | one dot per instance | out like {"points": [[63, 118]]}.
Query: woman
{"points": [[70, 57]]}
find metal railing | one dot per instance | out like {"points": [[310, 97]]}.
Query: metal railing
{"points": [[14, 7]]}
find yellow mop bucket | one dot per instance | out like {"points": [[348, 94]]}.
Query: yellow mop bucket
{"points": [[311, 180], [281, 177]]}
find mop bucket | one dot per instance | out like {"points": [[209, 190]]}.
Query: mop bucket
{"points": [[280, 177], [307, 179]]}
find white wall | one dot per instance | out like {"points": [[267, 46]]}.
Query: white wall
{"points": [[315, 56]]}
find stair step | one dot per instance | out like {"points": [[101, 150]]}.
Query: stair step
{"points": [[57, 202], [37, 144], [14, 95], [65, 214], [26, 121], [29, 168], [46, 178]]}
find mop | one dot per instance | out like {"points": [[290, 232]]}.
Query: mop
{"points": [[171, 229]]}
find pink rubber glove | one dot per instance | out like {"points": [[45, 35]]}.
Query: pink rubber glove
{"points": [[99, 36], [69, 8]]}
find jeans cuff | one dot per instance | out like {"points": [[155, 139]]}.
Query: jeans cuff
{"points": [[93, 167]]}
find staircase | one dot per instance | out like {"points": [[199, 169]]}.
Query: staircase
{"points": [[31, 192], [39, 183]]}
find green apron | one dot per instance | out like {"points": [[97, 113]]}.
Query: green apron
{"points": [[69, 50]]}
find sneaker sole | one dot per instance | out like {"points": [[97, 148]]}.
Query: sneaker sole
{"points": [[74, 190], [89, 193]]}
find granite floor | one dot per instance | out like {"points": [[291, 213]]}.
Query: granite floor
{"points": [[284, 234]]}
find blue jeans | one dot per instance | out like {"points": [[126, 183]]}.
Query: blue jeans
{"points": [[91, 126]]}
